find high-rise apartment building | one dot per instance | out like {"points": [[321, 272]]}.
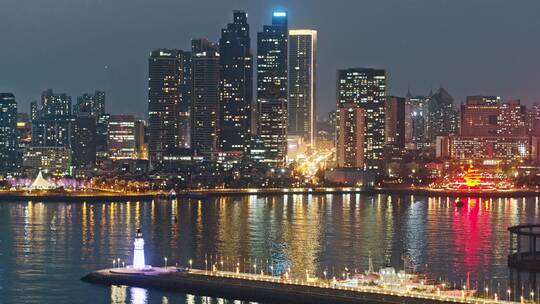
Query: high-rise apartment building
{"points": [[272, 131], [8, 132], [350, 136], [92, 104], [533, 119], [169, 90], [272, 92], [302, 75], [365, 88], [83, 141], [34, 109], [236, 85], [205, 110], [51, 128], [395, 121]]}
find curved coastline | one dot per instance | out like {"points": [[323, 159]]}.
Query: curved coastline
{"points": [[205, 193]]}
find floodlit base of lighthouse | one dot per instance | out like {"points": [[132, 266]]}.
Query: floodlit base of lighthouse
{"points": [[138, 254]]}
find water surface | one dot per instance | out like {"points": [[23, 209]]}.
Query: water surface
{"points": [[45, 248]]}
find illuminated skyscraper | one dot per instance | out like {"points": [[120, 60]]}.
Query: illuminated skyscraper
{"points": [[169, 83], [416, 120], [236, 85], [395, 121], [121, 143], [205, 110], [8, 132], [272, 90], [33, 110], [366, 88], [350, 136], [52, 128], [442, 116], [272, 130], [480, 117], [302, 73], [92, 104]]}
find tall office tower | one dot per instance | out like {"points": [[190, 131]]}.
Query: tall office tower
{"points": [[302, 75], [168, 107], [395, 121], [92, 104], [8, 132], [350, 135], [416, 120], [367, 89], [236, 85], [34, 110], [83, 141], [272, 130], [442, 115], [272, 85], [205, 109], [121, 142], [51, 128]]}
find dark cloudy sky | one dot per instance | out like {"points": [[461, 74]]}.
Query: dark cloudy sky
{"points": [[468, 46]]}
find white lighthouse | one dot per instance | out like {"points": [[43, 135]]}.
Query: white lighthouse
{"points": [[138, 251]]}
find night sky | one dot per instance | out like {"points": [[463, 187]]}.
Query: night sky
{"points": [[75, 46]]}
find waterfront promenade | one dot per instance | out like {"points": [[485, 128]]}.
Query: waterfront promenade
{"points": [[265, 288], [203, 193]]}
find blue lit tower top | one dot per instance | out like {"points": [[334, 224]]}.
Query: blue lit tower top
{"points": [[279, 18]]}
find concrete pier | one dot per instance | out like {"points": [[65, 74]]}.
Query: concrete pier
{"points": [[263, 288]]}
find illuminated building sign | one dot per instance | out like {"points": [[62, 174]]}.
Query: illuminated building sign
{"points": [[280, 14]]}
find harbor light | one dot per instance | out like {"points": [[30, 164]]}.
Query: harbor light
{"points": [[138, 251]]}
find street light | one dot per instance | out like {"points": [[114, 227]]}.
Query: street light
{"points": [[190, 263], [509, 292], [165, 258], [113, 263]]}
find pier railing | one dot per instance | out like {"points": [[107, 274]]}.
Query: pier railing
{"points": [[378, 289]]}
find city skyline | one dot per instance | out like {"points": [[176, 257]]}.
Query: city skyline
{"points": [[464, 46]]}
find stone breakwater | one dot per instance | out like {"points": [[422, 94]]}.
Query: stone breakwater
{"points": [[256, 288]]}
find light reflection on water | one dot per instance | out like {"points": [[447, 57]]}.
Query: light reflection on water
{"points": [[46, 248]]}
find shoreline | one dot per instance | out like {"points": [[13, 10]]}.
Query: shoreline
{"points": [[205, 193]]}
